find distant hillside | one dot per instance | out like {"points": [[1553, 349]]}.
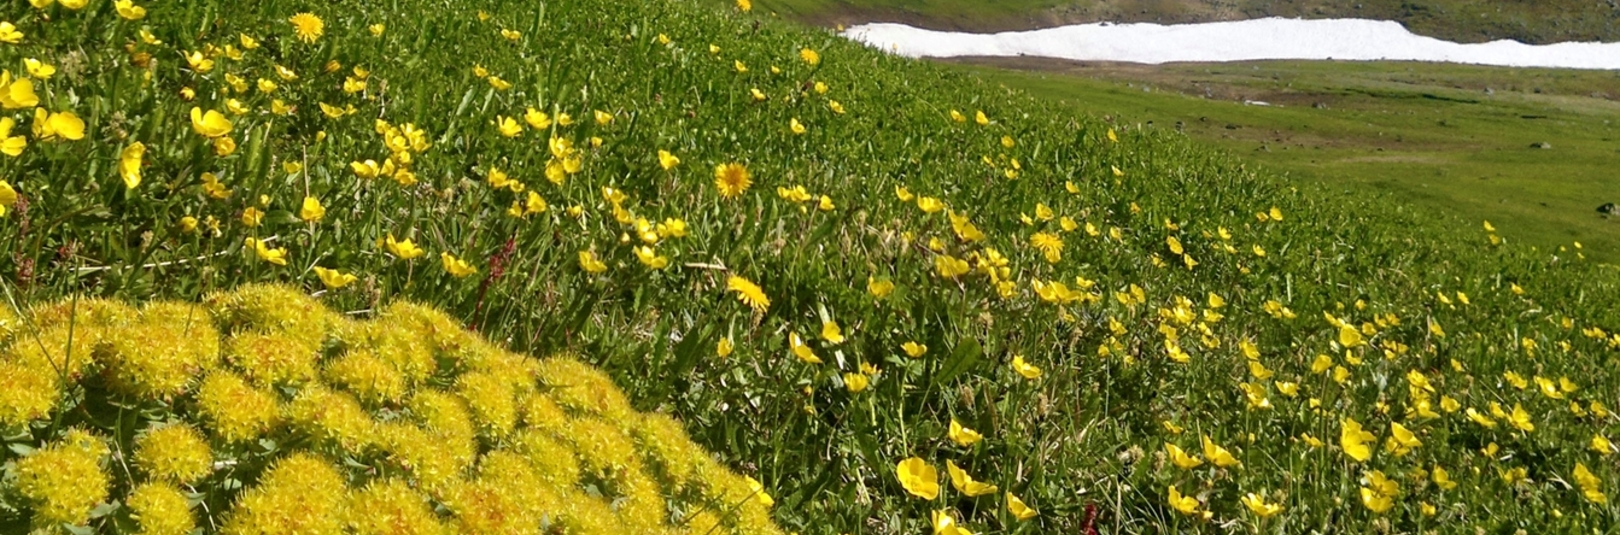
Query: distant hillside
{"points": [[1545, 21]]}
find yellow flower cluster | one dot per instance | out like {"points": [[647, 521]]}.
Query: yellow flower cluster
{"points": [[447, 432]]}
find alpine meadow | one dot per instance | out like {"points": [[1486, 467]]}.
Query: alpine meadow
{"points": [[668, 266]]}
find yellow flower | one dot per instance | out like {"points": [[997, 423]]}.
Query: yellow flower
{"points": [[128, 10], [9, 33], [810, 56], [403, 249], [831, 333], [377, 29], [667, 161], [732, 179], [930, 205], [835, 106], [1025, 369], [589, 262], [277, 256], [879, 288], [745, 5], [1379, 494], [1180, 458], [63, 481], [1591, 487], [749, 293], [457, 267], [1401, 440], [758, 489], [797, 127], [63, 125], [160, 508], [1218, 455], [1354, 440], [950, 267], [724, 348], [1520, 419], [1441, 479], [856, 382], [307, 26], [962, 435], [334, 279], [602, 118], [129, 164], [367, 169], [537, 119], [979, 117], [508, 126], [511, 35], [1599, 443], [211, 124], [11, 145], [311, 210], [918, 478], [1257, 504], [1018, 509], [1187, 505], [914, 350], [799, 349], [224, 146], [965, 483], [650, 257]]}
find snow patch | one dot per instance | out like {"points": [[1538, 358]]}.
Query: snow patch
{"points": [[1257, 39]]}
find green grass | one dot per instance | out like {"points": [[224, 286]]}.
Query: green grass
{"points": [[1547, 21], [1087, 434], [1458, 141]]}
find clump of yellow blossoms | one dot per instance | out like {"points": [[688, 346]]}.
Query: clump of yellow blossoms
{"points": [[261, 411]]}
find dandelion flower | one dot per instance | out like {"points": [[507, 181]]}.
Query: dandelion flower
{"points": [[749, 293], [307, 26], [732, 179]]}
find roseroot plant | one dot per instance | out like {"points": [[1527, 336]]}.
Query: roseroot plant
{"points": [[261, 411]]}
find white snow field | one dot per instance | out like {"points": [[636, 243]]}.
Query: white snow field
{"points": [[1257, 39]]}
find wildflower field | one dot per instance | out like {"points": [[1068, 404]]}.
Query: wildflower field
{"points": [[887, 297]]}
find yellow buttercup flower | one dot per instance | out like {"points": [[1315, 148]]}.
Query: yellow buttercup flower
{"points": [[724, 348], [64, 125], [367, 169], [1018, 509], [962, 435], [311, 210], [918, 478], [11, 145], [457, 267], [1025, 369], [1186, 505], [1401, 440], [650, 257], [1257, 505], [128, 10], [591, 264], [211, 124], [799, 349], [1354, 440], [855, 382], [1181, 458], [129, 164], [797, 127], [1591, 487], [334, 279], [224, 146], [307, 26], [965, 483], [879, 288], [831, 332], [950, 267], [508, 126], [8, 197], [667, 160], [914, 350], [1218, 455], [277, 256], [403, 249], [9, 33]]}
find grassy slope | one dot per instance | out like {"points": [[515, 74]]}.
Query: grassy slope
{"points": [[1428, 134], [1457, 20], [1087, 433]]}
